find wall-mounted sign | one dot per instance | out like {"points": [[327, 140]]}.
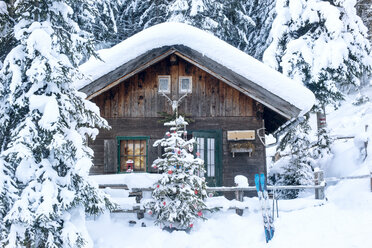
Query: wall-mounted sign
{"points": [[241, 135], [242, 147]]}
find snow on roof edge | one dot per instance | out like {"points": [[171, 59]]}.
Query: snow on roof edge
{"points": [[170, 33]]}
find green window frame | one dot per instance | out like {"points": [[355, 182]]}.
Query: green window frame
{"points": [[131, 148]]}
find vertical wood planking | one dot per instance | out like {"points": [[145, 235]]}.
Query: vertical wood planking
{"points": [[222, 98], [115, 100], [138, 96]]}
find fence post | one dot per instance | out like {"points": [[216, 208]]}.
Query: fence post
{"points": [[318, 179], [371, 180], [239, 197]]}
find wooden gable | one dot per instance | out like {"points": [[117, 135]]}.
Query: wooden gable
{"points": [[275, 110], [138, 95]]}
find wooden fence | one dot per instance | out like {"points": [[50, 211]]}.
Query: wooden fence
{"points": [[318, 187]]}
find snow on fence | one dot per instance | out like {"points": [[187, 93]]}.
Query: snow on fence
{"points": [[337, 179], [138, 193]]}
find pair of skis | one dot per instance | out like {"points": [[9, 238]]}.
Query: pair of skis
{"points": [[263, 197]]}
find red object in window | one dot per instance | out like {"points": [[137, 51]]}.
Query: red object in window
{"points": [[200, 213], [129, 164], [170, 172]]}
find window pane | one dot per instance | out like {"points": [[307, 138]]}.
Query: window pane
{"points": [[185, 84], [134, 150], [164, 84]]}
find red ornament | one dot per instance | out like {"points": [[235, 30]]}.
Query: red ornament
{"points": [[170, 172], [179, 152], [168, 134], [150, 212], [164, 203], [196, 192], [155, 167], [200, 213], [157, 186], [191, 225]]}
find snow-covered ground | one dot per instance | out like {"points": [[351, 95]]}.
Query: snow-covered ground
{"points": [[343, 220]]}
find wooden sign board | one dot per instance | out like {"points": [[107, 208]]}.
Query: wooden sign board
{"points": [[241, 135]]}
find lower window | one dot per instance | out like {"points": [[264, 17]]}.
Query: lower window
{"points": [[132, 154]]}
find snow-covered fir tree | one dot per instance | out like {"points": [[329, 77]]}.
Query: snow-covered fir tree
{"points": [[243, 24], [44, 126], [100, 20], [297, 169], [180, 192], [322, 44], [7, 41]]}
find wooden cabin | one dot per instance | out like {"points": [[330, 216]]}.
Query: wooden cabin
{"points": [[229, 112]]}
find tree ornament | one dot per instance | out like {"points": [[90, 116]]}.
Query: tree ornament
{"points": [[200, 213], [170, 172], [164, 203], [179, 152], [196, 192], [150, 212], [157, 186], [191, 225]]}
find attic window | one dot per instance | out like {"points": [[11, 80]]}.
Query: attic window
{"points": [[185, 84], [164, 84]]}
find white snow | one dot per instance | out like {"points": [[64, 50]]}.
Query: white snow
{"points": [[48, 107], [132, 180], [167, 34], [3, 8], [241, 181], [343, 222]]}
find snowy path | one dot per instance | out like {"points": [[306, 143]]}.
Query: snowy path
{"points": [[344, 222]]}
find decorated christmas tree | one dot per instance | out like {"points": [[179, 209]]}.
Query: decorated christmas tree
{"points": [[180, 192]]}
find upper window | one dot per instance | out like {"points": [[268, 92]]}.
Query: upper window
{"points": [[164, 84], [185, 84]]}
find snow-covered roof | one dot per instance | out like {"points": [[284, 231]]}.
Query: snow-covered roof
{"points": [[170, 34]]}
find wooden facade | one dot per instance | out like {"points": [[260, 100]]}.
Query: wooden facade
{"points": [[132, 109]]}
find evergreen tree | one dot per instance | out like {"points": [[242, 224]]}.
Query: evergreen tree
{"points": [[7, 41], [298, 169], [244, 25], [44, 128], [179, 194], [98, 18], [322, 44]]}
